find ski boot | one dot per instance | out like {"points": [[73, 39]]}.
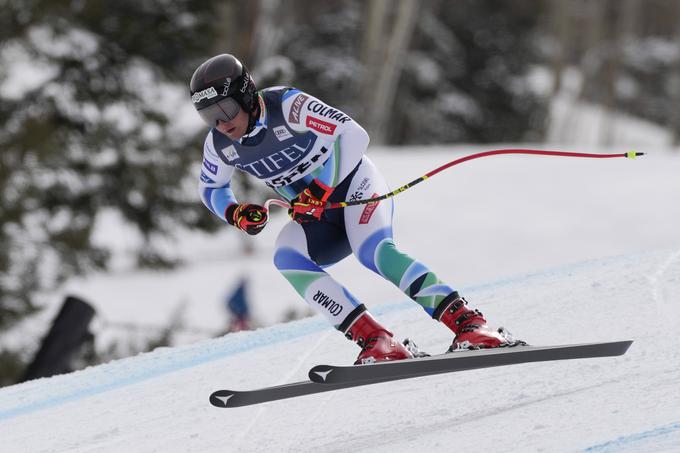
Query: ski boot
{"points": [[470, 327], [376, 342]]}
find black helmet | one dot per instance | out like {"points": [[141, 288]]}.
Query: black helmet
{"points": [[219, 87]]}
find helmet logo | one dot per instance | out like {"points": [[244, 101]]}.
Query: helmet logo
{"points": [[246, 79], [227, 84], [205, 94]]}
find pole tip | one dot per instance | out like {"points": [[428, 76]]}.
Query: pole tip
{"points": [[633, 154]]}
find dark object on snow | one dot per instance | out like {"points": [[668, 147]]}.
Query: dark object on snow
{"points": [[67, 335], [239, 308]]}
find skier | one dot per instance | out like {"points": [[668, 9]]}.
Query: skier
{"points": [[311, 153], [238, 307]]}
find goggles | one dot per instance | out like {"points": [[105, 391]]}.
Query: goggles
{"points": [[225, 110]]}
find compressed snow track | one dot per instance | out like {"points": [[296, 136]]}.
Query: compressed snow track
{"points": [[159, 401]]}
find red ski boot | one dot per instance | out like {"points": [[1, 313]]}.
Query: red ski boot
{"points": [[377, 344], [470, 327]]}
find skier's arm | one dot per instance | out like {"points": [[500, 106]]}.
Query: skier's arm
{"points": [[348, 140], [214, 185], [215, 190]]}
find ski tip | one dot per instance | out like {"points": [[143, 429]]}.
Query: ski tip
{"points": [[221, 398], [625, 345], [319, 373]]}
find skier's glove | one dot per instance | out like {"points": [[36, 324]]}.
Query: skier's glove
{"points": [[309, 205], [250, 218]]}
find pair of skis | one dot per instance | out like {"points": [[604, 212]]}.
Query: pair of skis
{"points": [[326, 378]]}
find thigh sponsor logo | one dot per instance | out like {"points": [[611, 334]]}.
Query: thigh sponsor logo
{"points": [[365, 184], [332, 306], [356, 196], [368, 211]]}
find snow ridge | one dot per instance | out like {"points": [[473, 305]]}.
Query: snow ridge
{"points": [[159, 401], [664, 438]]}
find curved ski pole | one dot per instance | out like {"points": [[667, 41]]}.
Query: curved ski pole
{"points": [[536, 152], [276, 202], [343, 204]]}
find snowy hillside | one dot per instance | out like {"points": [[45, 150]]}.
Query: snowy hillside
{"points": [[487, 219], [507, 233], [159, 401]]}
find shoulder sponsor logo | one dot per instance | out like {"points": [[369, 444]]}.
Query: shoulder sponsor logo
{"points": [[298, 102], [368, 211], [212, 168], [327, 112], [282, 133], [320, 125], [230, 153], [205, 94]]}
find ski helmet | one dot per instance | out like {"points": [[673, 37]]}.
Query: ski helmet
{"points": [[220, 87]]}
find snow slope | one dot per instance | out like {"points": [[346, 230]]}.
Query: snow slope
{"points": [[159, 401], [489, 218], [509, 231]]}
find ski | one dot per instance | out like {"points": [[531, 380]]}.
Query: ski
{"points": [[461, 361], [327, 378], [238, 398]]}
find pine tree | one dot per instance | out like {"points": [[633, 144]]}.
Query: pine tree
{"points": [[89, 99], [465, 77]]}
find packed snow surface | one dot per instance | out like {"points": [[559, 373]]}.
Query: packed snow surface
{"points": [[558, 251]]}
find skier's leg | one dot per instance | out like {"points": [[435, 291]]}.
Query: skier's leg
{"points": [[369, 229], [301, 253], [317, 288]]}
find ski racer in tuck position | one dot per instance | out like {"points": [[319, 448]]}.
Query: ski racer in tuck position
{"points": [[312, 154]]}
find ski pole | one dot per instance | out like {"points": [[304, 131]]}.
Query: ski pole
{"points": [[276, 202], [535, 152]]}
